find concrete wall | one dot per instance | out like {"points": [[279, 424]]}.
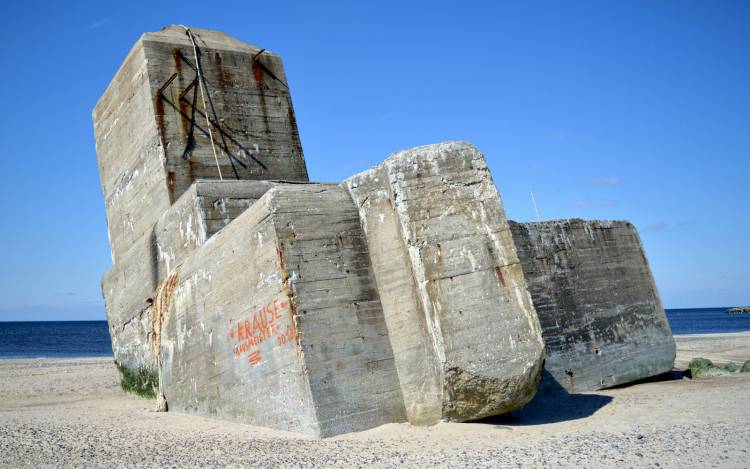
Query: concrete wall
{"points": [[130, 155], [463, 329], [602, 320], [327, 309], [276, 321], [249, 105], [153, 143], [129, 286], [151, 133], [204, 209]]}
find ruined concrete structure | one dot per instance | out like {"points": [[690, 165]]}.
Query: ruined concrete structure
{"points": [[276, 321], [257, 296], [153, 142], [130, 284], [602, 320], [463, 329]]}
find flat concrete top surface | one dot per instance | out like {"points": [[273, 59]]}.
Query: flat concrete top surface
{"points": [[72, 412], [175, 34], [572, 221]]}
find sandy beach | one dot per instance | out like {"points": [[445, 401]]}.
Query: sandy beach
{"points": [[67, 412], [719, 348]]}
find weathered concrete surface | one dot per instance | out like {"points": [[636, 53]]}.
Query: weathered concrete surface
{"points": [[153, 143], [204, 209], [130, 285], [151, 134], [602, 320], [275, 321], [464, 333]]}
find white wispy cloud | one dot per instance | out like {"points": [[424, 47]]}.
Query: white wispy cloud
{"points": [[99, 24], [566, 137], [658, 226], [610, 181]]}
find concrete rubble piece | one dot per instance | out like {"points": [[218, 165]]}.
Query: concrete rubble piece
{"points": [[276, 321], [465, 336], [602, 320], [256, 296], [130, 285]]}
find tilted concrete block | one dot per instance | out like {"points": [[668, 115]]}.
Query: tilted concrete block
{"points": [[129, 286], [464, 333], [128, 289], [602, 320], [204, 209], [275, 321], [152, 137]]}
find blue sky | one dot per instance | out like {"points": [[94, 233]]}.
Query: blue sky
{"points": [[617, 110]]}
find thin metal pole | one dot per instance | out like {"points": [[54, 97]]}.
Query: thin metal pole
{"points": [[536, 209], [201, 86]]}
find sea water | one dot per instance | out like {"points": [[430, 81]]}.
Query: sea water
{"points": [[706, 321], [60, 339], [54, 339]]}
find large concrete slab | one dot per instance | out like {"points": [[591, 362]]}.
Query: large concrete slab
{"points": [[129, 286], [462, 325], [602, 320], [153, 143], [152, 137], [275, 321]]}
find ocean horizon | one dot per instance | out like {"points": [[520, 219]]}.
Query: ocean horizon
{"points": [[75, 339]]}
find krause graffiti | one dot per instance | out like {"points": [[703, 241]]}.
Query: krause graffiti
{"points": [[264, 323]]}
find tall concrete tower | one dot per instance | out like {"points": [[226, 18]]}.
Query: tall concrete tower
{"points": [[155, 136], [184, 105]]}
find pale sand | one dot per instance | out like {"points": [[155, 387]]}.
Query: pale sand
{"points": [[72, 412], [719, 348]]}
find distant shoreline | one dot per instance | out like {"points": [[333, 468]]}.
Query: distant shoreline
{"points": [[24, 321], [706, 335], [71, 357], [709, 337], [47, 340]]}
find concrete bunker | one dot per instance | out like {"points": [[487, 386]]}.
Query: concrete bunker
{"points": [[465, 336], [276, 321], [259, 297], [155, 138], [602, 321]]}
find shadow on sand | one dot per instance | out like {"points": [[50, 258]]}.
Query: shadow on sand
{"points": [[551, 404], [673, 375]]}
